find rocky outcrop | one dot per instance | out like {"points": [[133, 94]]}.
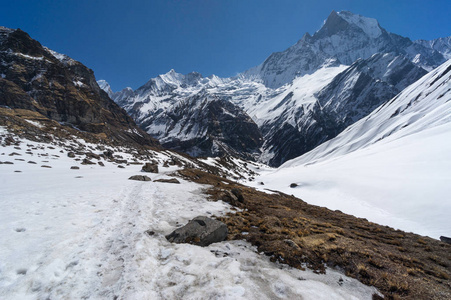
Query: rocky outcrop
{"points": [[201, 231], [61, 89]]}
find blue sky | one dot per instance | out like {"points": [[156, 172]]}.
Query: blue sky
{"points": [[129, 42]]}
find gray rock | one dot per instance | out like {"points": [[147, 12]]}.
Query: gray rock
{"points": [[74, 168], [229, 197], [71, 154], [239, 195], [140, 178], [150, 168], [201, 231], [445, 239], [172, 180], [293, 185], [87, 162], [101, 164]]}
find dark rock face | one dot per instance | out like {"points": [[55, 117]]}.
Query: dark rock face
{"points": [[140, 178], [207, 126], [201, 231], [61, 89], [150, 168]]}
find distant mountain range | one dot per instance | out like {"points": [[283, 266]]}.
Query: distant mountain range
{"points": [[291, 103]]}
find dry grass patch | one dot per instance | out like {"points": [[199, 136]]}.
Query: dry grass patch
{"points": [[401, 265]]}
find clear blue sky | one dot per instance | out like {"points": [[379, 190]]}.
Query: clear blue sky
{"points": [[128, 42]]}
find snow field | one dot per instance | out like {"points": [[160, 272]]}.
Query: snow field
{"points": [[72, 234]]}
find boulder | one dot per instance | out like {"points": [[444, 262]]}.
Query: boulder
{"points": [[293, 185], [87, 162], [150, 168], [172, 180], [239, 195], [201, 231], [229, 197], [74, 168], [445, 239], [140, 178]]}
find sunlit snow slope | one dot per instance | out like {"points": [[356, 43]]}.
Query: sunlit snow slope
{"points": [[392, 167]]}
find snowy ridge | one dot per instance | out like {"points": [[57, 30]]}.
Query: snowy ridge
{"points": [[442, 45], [63, 58]]}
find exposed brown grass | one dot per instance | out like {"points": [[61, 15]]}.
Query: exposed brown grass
{"points": [[401, 265]]}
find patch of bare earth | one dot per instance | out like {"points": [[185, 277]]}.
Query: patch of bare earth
{"points": [[401, 265]]}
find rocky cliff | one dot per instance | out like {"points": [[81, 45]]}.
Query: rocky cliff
{"points": [[59, 88]]}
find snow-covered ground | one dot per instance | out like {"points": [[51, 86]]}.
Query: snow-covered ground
{"points": [[392, 167], [80, 234]]}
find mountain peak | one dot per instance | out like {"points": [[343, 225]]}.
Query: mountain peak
{"points": [[332, 25], [344, 20]]}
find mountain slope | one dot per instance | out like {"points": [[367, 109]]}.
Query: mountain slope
{"points": [[61, 89], [392, 167], [299, 98]]}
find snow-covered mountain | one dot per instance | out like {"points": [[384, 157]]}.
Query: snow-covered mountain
{"points": [[299, 98], [207, 125], [344, 38], [389, 167]]}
